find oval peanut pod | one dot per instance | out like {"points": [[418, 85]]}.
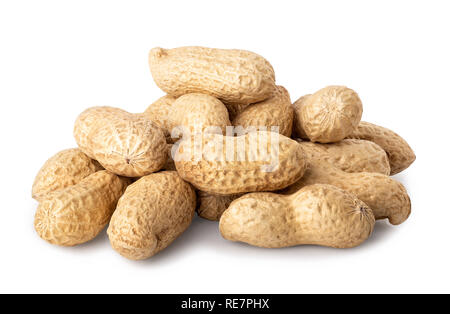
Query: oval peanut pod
{"points": [[126, 144], [199, 112], [78, 213], [400, 154], [350, 155], [317, 214], [329, 115], [86, 123], [211, 206], [386, 197], [257, 161], [151, 214], [297, 129], [159, 113], [66, 168], [234, 76], [274, 112]]}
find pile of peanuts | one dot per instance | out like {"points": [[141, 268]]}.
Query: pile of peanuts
{"points": [[227, 143]]}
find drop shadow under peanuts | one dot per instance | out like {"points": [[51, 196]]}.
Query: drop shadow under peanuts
{"points": [[199, 232], [205, 233], [381, 231], [99, 241], [402, 178]]}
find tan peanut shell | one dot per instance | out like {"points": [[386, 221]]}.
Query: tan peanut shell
{"points": [[247, 168], [159, 113], [329, 115], [66, 168], [151, 214], [297, 129], [317, 215], [386, 197], [274, 112], [211, 206], [350, 155], [400, 154], [126, 144], [199, 112], [78, 213], [231, 75]]}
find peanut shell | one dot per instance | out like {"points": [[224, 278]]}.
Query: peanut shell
{"points": [[231, 75], [275, 111], [316, 215], [159, 113], [329, 115], [211, 206], [247, 167], [199, 112], [400, 154], [67, 167], [151, 214], [386, 197], [78, 213], [350, 155], [123, 143]]}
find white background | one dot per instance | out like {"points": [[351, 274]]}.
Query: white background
{"points": [[59, 57]]}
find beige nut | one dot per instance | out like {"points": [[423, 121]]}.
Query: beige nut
{"points": [[66, 168], [276, 111], [151, 214], [199, 112], [257, 161], [350, 155], [211, 206], [317, 214], [123, 143], [159, 113], [386, 197], [231, 75], [78, 213], [297, 129], [329, 115], [400, 154]]}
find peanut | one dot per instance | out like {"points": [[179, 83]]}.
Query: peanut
{"points": [[77, 214], [400, 154], [123, 143], [66, 168], [194, 111], [385, 196], [275, 111], [297, 129], [211, 206], [329, 115], [317, 214], [231, 75], [350, 155], [151, 214], [159, 113], [198, 112], [246, 167]]}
